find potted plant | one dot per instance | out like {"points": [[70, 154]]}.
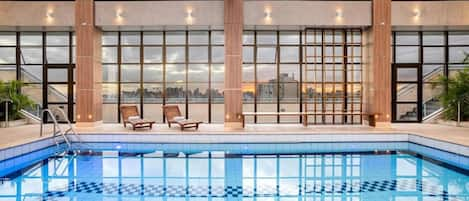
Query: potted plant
{"points": [[457, 92], [10, 91]]}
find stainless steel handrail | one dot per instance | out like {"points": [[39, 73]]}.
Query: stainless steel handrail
{"points": [[69, 124], [57, 130], [7, 123]]}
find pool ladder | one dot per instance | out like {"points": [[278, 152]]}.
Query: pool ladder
{"points": [[58, 132]]}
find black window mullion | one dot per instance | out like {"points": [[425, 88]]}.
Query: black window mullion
{"points": [[141, 75], [187, 74], [209, 76], [119, 73], [255, 75], [277, 61], [164, 73], [70, 83], [300, 55], [44, 76]]}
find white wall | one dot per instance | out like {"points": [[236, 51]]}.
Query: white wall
{"points": [[29, 14], [308, 13], [158, 13], [432, 13]]}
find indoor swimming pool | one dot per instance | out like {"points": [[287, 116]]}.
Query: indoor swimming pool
{"points": [[399, 171]]}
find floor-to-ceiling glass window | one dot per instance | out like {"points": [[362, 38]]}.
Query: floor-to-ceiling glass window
{"points": [[44, 62], [155, 68], [419, 58], [283, 70]]}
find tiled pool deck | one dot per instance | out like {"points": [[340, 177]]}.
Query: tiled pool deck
{"points": [[25, 139], [24, 134]]}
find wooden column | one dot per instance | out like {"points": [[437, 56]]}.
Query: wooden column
{"points": [[233, 21], [88, 65], [379, 70]]}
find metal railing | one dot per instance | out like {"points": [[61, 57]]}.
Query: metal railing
{"points": [[6, 101], [57, 130]]}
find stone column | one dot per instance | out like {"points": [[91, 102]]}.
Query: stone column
{"points": [[88, 65], [233, 21], [378, 65]]}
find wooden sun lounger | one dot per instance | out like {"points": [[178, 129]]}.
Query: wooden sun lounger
{"points": [[131, 110], [171, 111]]}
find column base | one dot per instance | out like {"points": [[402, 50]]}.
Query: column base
{"points": [[383, 124], [233, 125], [88, 124]]}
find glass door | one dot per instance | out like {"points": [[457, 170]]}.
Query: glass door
{"points": [[406, 93], [59, 89]]}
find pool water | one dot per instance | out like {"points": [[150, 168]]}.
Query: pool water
{"points": [[193, 174]]}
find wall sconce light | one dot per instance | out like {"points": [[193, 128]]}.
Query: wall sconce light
{"points": [[90, 116], [78, 116], [50, 14], [416, 13], [268, 16], [189, 17], [339, 14], [387, 116], [227, 116], [119, 14]]}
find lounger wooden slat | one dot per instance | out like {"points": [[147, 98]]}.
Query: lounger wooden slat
{"points": [[172, 111], [130, 111]]}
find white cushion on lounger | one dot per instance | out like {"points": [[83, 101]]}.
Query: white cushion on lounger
{"points": [[132, 118], [179, 118]]}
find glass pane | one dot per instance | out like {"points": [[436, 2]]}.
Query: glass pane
{"points": [[289, 54], [457, 54], [153, 55], [198, 54], [218, 37], [218, 72], [198, 73], [31, 55], [57, 74], [433, 38], [407, 38], [266, 54], [57, 38], [431, 73], [109, 113], [30, 39], [433, 55], [153, 112], [130, 73], [406, 112], [218, 54], [407, 92], [269, 38], [175, 54], [266, 72], [198, 37], [248, 37], [153, 93], [407, 54], [7, 55], [407, 74], [152, 73], [109, 38], [110, 73], [58, 55], [109, 54], [152, 38], [110, 93], [57, 93], [31, 73], [175, 73], [130, 93], [289, 73], [248, 54], [130, 38], [430, 99], [175, 38], [458, 38], [7, 38], [7, 73], [130, 55], [198, 93], [291, 38], [33, 91], [248, 73], [176, 93]]}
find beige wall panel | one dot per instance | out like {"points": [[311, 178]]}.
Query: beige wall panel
{"points": [[437, 13], [158, 13], [308, 13], [22, 13]]}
